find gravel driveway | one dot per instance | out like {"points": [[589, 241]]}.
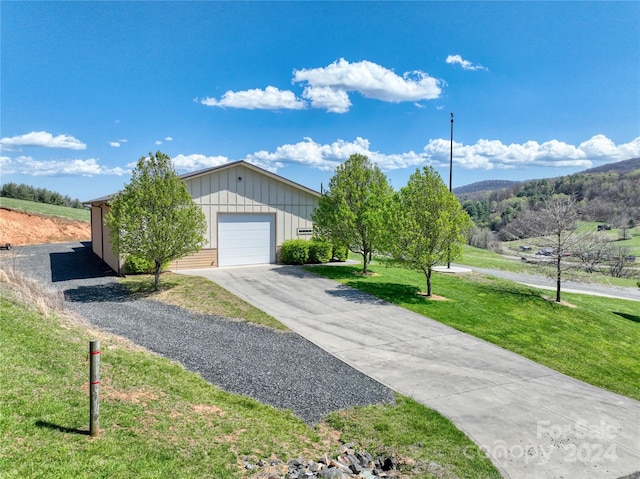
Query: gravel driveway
{"points": [[280, 369]]}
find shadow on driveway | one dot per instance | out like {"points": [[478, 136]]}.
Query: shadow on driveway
{"points": [[98, 293], [80, 263]]}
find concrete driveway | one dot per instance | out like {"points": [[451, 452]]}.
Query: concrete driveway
{"points": [[532, 421]]}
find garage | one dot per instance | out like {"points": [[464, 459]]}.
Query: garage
{"points": [[250, 212], [245, 239]]}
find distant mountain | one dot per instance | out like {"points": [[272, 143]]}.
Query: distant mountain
{"points": [[618, 167], [487, 185]]}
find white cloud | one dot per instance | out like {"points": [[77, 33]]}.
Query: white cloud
{"points": [[371, 80], [310, 153], [118, 143], [335, 101], [465, 64], [483, 154], [271, 98], [158, 142], [194, 162], [26, 165], [43, 139], [168, 138]]}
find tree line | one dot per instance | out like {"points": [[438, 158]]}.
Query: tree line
{"points": [[611, 197], [38, 195]]}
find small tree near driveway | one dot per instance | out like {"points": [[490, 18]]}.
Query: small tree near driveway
{"points": [[351, 211], [154, 217], [427, 224]]}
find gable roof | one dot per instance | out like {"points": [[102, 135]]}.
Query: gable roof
{"points": [[196, 174], [257, 169]]}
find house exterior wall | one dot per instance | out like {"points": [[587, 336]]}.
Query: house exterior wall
{"points": [[101, 237], [224, 192]]}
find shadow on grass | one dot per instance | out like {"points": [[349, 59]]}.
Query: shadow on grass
{"points": [[396, 293], [631, 317], [56, 427]]}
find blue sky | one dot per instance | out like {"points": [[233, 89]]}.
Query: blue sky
{"points": [[538, 89]]}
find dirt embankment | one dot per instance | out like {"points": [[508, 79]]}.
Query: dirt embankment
{"points": [[21, 229]]}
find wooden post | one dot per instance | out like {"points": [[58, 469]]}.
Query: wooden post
{"points": [[94, 387]]}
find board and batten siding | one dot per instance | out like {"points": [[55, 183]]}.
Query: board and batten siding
{"points": [[242, 190]]}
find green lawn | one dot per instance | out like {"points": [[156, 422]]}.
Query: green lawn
{"points": [[158, 420], [43, 209], [596, 342]]}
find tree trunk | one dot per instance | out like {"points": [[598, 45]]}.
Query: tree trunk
{"points": [[156, 283], [559, 278], [428, 275], [365, 261]]}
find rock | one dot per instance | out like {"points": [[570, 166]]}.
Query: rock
{"points": [[330, 473]]}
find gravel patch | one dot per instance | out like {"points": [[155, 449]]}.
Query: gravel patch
{"points": [[276, 368]]}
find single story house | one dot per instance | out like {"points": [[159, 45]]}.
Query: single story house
{"points": [[250, 212]]}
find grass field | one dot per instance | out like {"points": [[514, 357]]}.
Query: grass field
{"points": [[482, 258], [596, 341], [44, 209], [158, 420], [633, 243]]}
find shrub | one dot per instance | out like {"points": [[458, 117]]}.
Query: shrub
{"points": [[136, 265], [295, 251], [320, 250], [340, 253]]}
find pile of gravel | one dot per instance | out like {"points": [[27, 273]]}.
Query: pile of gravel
{"points": [[276, 368]]}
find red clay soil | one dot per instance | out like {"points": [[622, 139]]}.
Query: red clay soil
{"points": [[21, 229]]}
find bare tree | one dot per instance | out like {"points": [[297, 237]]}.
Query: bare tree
{"points": [[554, 224], [618, 261], [594, 250]]}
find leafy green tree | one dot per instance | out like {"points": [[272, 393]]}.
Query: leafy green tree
{"points": [[154, 217], [430, 225], [351, 211]]}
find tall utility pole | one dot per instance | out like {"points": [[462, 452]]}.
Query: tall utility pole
{"points": [[450, 178], [451, 156]]}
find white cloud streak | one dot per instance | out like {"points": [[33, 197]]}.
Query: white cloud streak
{"points": [[271, 98], [483, 154], [114, 144], [43, 139], [28, 166], [168, 138], [465, 64]]}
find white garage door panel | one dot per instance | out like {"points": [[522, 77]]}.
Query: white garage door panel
{"points": [[245, 239]]}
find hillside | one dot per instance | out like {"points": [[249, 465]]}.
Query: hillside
{"points": [[617, 167], [487, 185], [609, 193], [22, 228]]}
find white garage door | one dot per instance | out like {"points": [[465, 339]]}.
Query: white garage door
{"points": [[245, 239]]}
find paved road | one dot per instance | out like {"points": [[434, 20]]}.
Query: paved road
{"points": [[532, 421], [567, 286]]}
